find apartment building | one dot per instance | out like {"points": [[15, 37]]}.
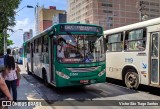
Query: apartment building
{"points": [[44, 17], [112, 13]]}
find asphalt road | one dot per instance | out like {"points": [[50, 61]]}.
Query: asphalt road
{"points": [[96, 96]]}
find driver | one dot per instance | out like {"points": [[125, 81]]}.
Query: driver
{"points": [[60, 48]]}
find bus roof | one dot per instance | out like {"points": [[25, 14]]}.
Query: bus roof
{"points": [[54, 26], [133, 26]]}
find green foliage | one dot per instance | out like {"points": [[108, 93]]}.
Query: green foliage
{"points": [[9, 42], [7, 18], [7, 13]]}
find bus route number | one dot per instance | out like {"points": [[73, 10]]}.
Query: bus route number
{"points": [[129, 60]]}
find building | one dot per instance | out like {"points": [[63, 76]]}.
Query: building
{"points": [[149, 9], [44, 17], [112, 13], [59, 18], [27, 35]]}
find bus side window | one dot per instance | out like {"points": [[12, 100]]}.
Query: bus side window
{"points": [[42, 48], [34, 46], [115, 42], [136, 39], [37, 42], [28, 48], [106, 43], [126, 41], [39, 45], [45, 44]]}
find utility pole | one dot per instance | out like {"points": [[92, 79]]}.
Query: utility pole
{"points": [[4, 36]]}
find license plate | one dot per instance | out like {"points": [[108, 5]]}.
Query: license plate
{"points": [[84, 81]]}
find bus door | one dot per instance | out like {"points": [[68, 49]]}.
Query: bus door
{"points": [[155, 43], [51, 60]]}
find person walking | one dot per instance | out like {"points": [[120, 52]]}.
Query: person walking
{"points": [[11, 76], [5, 56], [4, 92]]}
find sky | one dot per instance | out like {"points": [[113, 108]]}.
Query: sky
{"points": [[25, 18]]}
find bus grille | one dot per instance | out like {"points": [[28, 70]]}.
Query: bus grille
{"points": [[88, 69]]}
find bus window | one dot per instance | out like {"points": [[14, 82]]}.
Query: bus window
{"points": [[45, 44], [135, 40], [34, 46], [39, 45], [28, 48], [99, 50], [76, 48], [114, 42]]}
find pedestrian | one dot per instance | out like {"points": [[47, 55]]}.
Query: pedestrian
{"points": [[5, 56], [11, 77], [4, 92]]}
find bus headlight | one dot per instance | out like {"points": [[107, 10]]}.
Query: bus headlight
{"points": [[62, 75], [102, 72]]}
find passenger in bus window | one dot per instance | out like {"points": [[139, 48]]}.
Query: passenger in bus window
{"points": [[139, 45]]}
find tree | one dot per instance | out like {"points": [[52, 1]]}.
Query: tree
{"points": [[7, 13], [9, 42], [7, 18]]}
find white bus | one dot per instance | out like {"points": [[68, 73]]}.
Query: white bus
{"points": [[18, 55], [133, 53]]}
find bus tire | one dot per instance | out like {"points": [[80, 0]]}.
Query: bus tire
{"points": [[131, 79], [45, 80]]}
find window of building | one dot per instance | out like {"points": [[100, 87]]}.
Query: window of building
{"points": [[108, 5], [154, 16], [154, 10], [146, 2], [154, 4], [114, 42], [107, 11], [146, 9]]}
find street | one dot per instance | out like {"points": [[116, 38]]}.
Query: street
{"points": [[102, 91]]}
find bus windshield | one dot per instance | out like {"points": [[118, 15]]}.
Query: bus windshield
{"points": [[78, 49]]}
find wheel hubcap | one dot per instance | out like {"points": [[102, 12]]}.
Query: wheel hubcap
{"points": [[132, 79]]}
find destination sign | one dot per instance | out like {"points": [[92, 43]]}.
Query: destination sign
{"points": [[80, 28]]}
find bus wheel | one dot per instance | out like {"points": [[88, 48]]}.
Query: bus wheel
{"points": [[45, 78], [131, 79]]}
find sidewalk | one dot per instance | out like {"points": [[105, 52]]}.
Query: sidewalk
{"points": [[26, 91]]}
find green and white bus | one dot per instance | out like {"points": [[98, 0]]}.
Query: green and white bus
{"points": [[68, 54]]}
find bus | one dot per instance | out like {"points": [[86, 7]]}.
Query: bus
{"points": [[67, 54], [132, 53], [17, 53]]}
